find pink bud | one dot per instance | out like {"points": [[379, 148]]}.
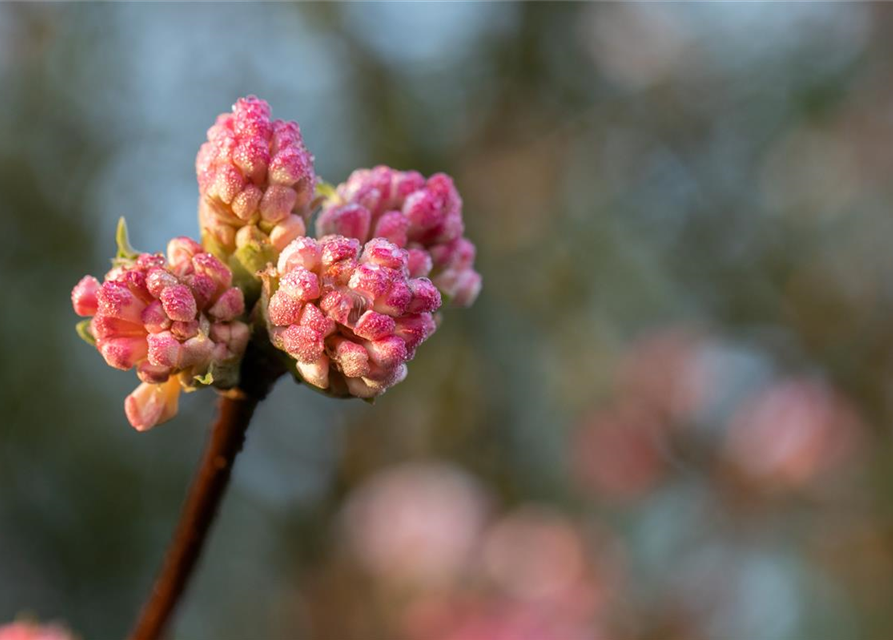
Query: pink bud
{"points": [[246, 204], [123, 353], [251, 156], [284, 309], [425, 296], [392, 226], [180, 251], [301, 252], [152, 404], [396, 301], [352, 358], [338, 248], [154, 318], [345, 335], [227, 184], [384, 253], [341, 306], [184, 330], [303, 343], [233, 336], [348, 220], [371, 280], [387, 352], [252, 171], [83, 296], [209, 265], [196, 352], [203, 288], [286, 231], [419, 263], [178, 303], [164, 349], [462, 286], [374, 326], [277, 203], [422, 209], [103, 327], [288, 166], [315, 373], [158, 278], [300, 284], [116, 300], [153, 374], [229, 305], [425, 217], [313, 317]]}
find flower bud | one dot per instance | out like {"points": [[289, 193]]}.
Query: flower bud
{"points": [[152, 404], [340, 310], [156, 315], [421, 216], [253, 170]]}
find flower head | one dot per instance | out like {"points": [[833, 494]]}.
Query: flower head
{"points": [[350, 315], [423, 216], [255, 179], [173, 319]]}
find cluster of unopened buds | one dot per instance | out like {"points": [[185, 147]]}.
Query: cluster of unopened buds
{"points": [[345, 311]]}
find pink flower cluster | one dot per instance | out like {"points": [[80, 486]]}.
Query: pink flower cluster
{"points": [[32, 631], [424, 216], [169, 318], [350, 308], [255, 178], [350, 315]]}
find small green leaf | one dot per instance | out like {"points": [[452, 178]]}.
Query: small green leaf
{"points": [[83, 329], [125, 250], [207, 379]]}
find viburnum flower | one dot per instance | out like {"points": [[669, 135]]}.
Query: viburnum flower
{"points": [[175, 319], [350, 315], [344, 312], [256, 183], [424, 216], [33, 631]]}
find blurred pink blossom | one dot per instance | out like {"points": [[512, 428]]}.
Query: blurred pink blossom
{"points": [[617, 453], [416, 523], [791, 433], [661, 373], [493, 619]]}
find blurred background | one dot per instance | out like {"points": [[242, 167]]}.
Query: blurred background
{"points": [[666, 418]]}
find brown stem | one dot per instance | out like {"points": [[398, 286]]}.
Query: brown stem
{"points": [[211, 479]]}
